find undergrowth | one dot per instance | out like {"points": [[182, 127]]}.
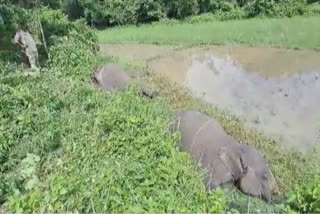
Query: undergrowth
{"points": [[288, 166], [66, 146]]}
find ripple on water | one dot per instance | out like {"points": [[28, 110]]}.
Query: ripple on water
{"points": [[285, 107]]}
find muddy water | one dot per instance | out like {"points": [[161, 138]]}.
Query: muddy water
{"points": [[286, 107], [275, 91]]}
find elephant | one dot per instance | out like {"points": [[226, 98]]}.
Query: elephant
{"points": [[224, 159], [112, 77]]}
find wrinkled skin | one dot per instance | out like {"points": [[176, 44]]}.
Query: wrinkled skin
{"points": [[112, 77], [224, 159]]}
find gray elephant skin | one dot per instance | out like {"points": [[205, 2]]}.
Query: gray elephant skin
{"points": [[112, 77], [224, 159]]}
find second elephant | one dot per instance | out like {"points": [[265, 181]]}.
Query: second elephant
{"points": [[112, 77]]}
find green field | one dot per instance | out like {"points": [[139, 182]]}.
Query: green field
{"points": [[297, 32]]}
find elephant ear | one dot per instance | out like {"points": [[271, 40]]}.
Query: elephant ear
{"points": [[232, 161], [254, 185], [250, 184], [257, 181]]}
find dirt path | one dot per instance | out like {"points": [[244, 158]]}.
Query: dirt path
{"points": [[276, 91]]}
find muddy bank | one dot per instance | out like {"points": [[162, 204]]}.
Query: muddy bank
{"points": [[135, 51], [274, 90]]}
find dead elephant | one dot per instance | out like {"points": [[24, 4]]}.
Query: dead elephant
{"points": [[224, 159], [112, 77]]}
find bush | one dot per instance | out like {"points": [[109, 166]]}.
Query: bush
{"points": [[73, 9], [289, 8], [220, 16], [181, 8], [30, 4], [305, 198], [29, 105], [11, 15], [150, 11], [64, 145], [280, 8], [119, 158], [104, 13]]}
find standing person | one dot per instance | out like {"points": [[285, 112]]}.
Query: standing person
{"points": [[25, 41]]}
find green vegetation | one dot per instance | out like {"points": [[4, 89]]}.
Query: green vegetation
{"points": [[105, 13], [121, 12], [305, 198], [67, 146], [297, 32]]}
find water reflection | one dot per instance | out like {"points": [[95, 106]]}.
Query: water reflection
{"points": [[286, 107]]}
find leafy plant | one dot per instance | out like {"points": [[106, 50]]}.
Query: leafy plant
{"points": [[65, 145], [304, 198]]}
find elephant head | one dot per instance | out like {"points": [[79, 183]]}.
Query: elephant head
{"points": [[258, 180]]}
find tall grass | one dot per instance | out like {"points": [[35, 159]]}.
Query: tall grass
{"points": [[297, 32]]}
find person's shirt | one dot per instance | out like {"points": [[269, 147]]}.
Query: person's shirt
{"points": [[25, 38]]}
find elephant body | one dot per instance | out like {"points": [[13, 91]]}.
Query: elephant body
{"points": [[112, 77], [224, 159]]}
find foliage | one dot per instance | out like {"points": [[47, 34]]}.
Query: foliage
{"points": [[66, 146], [304, 198], [29, 4], [218, 16], [25, 108], [115, 150], [280, 8], [125, 162], [56, 24], [11, 16], [181, 8], [122, 12], [106, 13], [150, 10]]}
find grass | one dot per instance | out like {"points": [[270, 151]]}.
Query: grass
{"points": [[66, 146], [296, 32], [284, 162], [288, 166]]}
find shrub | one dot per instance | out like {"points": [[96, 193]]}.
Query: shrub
{"points": [[73, 9], [29, 106], [280, 8], [67, 146], [11, 15], [304, 198], [181, 8], [150, 11], [289, 8], [56, 24], [104, 13], [122, 159], [30, 4], [221, 16], [72, 55]]}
